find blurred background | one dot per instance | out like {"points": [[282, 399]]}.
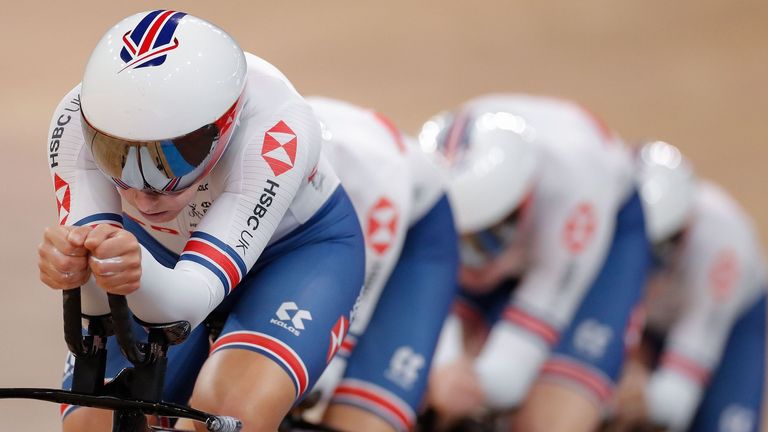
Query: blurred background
{"points": [[690, 72]]}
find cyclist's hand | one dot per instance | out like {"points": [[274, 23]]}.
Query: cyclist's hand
{"points": [[115, 259], [454, 390], [62, 259], [631, 410]]}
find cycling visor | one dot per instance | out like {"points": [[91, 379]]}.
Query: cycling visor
{"points": [[480, 248], [162, 166]]}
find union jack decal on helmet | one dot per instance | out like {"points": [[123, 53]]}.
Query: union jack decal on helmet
{"points": [[148, 44]]}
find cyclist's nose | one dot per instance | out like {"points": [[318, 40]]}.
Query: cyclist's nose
{"points": [[146, 201]]}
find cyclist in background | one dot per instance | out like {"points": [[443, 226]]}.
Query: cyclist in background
{"points": [[701, 366], [379, 375], [183, 172], [554, 260]]}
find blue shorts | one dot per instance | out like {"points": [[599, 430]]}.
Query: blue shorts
{"points": [[590, 352], [734, 397], [388, 368], [302, 289]]}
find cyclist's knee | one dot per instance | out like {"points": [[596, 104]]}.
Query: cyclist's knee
{"points": [[87, 419], [245, 385]]}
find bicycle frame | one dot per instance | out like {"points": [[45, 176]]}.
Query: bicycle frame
{"points": [[136, 391]]}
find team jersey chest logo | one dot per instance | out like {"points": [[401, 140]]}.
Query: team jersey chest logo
{"points": [[723, 274], [279, 148], [579, 228], [149, 43], [382, 225], [62, 198]]}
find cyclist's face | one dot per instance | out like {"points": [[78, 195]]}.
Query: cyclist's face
{"points": [[483, 279], [159, 208]]}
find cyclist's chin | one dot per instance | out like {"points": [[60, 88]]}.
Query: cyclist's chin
{"points": [[160, 217]]}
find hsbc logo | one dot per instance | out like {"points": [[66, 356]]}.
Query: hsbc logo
{"points": [[62, 198], [382, 225], [580, 228], [279, 148], [337, 337], [291, 318]]}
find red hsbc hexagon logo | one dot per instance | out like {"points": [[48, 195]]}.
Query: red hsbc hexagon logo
{"points": [[580, 228], [279, 148], [62, 198], [724, 273], [382, 225], [337, 337]]}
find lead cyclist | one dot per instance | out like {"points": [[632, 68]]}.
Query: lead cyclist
{"points": [[183, 173]]}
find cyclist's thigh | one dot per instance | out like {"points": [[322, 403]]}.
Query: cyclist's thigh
{"points": [[590, 353], [388, 368], [734, 397], [293, 308]]}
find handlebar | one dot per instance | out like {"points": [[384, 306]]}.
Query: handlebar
{"points": [[121, 320], [73, 322], [213, 423]]}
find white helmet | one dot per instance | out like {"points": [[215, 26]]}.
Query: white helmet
{"points": [[160, 94], [667, 184], [490, 159]]}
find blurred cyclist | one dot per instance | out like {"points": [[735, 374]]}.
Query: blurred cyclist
{"points": [[183, 172], [701, 366], [554, 259], [379, 375]]}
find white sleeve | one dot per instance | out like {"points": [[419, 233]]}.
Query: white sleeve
{"points": [[508, 364], [572, 230], [84, 196], [450, 345], [239, 224], [427, 184], [573, 224], [717, 285]]}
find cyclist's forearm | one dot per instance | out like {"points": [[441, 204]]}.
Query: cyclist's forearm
{"points": [[178, 294], [508, 365]]}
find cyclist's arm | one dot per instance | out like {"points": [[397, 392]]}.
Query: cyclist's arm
{"points": [[716, 283], [238, 226], [84, 196], [571, 236]]}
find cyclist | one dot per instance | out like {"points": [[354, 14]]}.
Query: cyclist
{"points": [[182, 168], [379, 376], [701, 366], [554, 258]]}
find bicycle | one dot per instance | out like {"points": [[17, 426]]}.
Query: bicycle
{"points": [[136, 391]]}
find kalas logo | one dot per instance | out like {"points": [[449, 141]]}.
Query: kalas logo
{"points": [[148, 43]]}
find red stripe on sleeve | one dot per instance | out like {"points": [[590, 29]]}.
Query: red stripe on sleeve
{"points": [[216, 256]]}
